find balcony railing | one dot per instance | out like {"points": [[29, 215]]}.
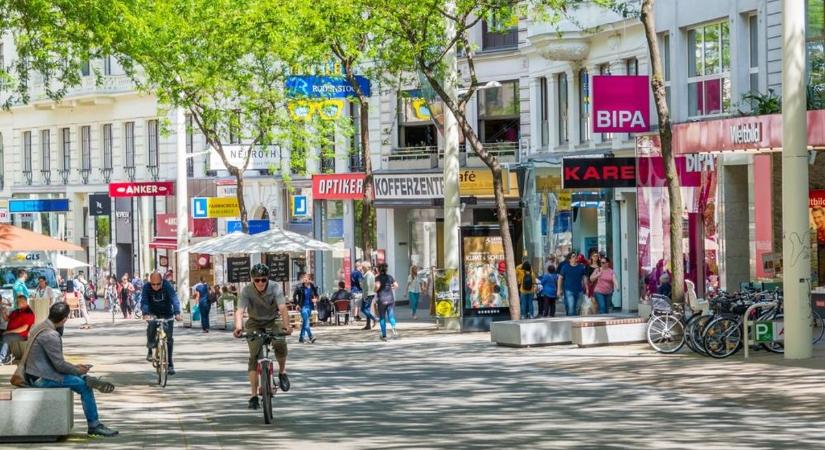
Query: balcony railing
{"points": [[84, 174], [107, 174], [64, 175], [130, 172], [111, 84], [47, 176], [153, 172], [27, 174]]}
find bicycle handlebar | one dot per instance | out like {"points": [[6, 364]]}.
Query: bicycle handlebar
{"points": [[265, 334], [155, 319]]}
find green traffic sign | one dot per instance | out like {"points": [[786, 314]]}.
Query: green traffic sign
{"points": [[764, 331]]}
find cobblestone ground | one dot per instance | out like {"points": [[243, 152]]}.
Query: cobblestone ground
{"points": [[432, 389]]}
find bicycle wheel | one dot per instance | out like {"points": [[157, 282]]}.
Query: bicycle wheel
{"points": [[666, 334], [162, 362], [694, 334], [266, 392], [689, 328], [723, 337]]}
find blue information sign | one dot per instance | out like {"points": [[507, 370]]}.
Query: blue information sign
{"points": [[325, 87], [255, 226], [39, 205]]}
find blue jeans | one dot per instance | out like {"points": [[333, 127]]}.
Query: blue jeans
{"points": [[77, 385], [306, 311], [386, 312], [526, 303], [571, 302], [604, 301], [366, 303], [203, 307], [414, 301]]}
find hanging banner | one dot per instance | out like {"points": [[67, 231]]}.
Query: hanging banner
{"points": [[100, 205], [621, 104], [312, 86]]}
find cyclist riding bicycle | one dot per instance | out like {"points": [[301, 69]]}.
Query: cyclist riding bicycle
{"points": [[159, 300], [265, 304]]}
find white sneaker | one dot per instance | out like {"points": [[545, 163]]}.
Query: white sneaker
{"points": [[394, 333]]}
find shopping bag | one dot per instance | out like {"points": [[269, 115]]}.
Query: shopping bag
{"points": [[196, 313], [587, 306]]}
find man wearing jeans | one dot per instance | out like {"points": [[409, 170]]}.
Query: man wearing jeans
{"points": [[159, 299], [44, 367], [571, 283]]}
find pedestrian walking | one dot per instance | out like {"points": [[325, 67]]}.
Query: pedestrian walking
{"points": [[415, 284], [355, 280], [385, 298], [549, 292], [202, 297], [138, 284], [604, 280], [527, 290], [42, 299], [593, 264], [19, 287], [110, 293], [80, 288], [125, 290], [369, 295], [305, 297], [226, 294], [571, 284]]}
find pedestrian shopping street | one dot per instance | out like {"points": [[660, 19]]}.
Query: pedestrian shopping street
{"points": [[434, 389]]}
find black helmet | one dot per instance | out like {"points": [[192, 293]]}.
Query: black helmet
{"points": [[259, 270]]}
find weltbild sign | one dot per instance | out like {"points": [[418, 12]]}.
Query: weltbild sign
{"points": [[621, 104]]}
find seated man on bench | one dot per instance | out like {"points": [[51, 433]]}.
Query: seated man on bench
{"points": [[44, 367], [20, 321]]}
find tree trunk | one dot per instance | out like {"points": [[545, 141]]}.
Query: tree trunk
{"points": [[657, 84], [366, 210], [241, 205]]}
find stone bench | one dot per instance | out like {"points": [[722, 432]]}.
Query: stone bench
{"points": [[609, 331], [526, 333], [36, 415]]}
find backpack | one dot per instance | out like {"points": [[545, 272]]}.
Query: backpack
{"points": [[527, 281]]}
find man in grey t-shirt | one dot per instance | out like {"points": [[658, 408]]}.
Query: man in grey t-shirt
{"points": [[265, 303]]}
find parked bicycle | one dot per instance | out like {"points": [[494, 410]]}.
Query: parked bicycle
{"points": [[160, 356], [666, 326], [267, 381]]}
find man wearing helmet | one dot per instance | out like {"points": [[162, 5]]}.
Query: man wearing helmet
{"points": [[264, 302]]}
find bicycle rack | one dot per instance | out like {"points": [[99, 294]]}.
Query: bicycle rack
{"points": [[746, 323]]}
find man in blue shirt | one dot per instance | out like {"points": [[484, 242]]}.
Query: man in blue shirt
{"points": [[20, 287], [159, 299], [305, 296], [571, 283], [355, 279], [203, 303]]}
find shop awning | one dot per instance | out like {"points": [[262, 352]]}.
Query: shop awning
{"points": [[166, 244]]}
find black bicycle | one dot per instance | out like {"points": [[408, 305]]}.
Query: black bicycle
{"points": [[267, 376]]}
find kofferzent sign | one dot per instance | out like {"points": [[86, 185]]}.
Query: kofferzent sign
{"points": [[621, 104]]}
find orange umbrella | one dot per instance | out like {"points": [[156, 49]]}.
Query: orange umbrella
{"points": [[15, 239]]}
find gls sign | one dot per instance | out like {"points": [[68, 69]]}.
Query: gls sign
{"points": [[621, 104]]}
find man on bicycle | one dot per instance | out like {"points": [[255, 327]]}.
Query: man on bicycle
{"points": [[265, 304], [159, 300]]}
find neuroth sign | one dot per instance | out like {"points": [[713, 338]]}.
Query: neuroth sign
{"points": [[621, 104]]}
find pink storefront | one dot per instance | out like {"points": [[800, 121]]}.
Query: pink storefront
{"points": [[731, 175]]}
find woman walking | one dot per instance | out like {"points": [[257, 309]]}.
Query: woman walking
{"points": [[605, 283], [125, 290], [549, 292], [384, 285], [305, 296], [110, 293], [527, 289], [415, 285]]}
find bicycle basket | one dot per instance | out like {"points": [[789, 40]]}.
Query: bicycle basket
{"points": [[661, 304]]}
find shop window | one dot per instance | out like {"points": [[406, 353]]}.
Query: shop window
{"points": [[46, 155], [500, 31], [65, 153], [543, 115], [709, 69], [561, 106], [631, 66], [27, 156], [753, 42], [499, 114], [416, 127], [815, 40], [584, 106]]}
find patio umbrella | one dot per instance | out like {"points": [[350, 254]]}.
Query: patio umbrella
{"points": [[215, 245], [15, 239], [275, 240], [65, 262]]}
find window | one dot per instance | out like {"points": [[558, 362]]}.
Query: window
{"points": [[86, 148], [235, 128], [45, 151], [355, 163], [107, 147], [2, 57], [664, 52], [543, 113], [129, 145], [709, 69], [753, 31], [416, 128], [584, 106], [27, 155], [631, 66], [107, 65], [153, 143], [604, 69], [499, 112], [190, 146], [815, 40], [561, 98], [85, 69], [66, 149], [499, 31]]}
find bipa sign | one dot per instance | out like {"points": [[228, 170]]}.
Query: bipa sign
{"points": [[621, 104]]}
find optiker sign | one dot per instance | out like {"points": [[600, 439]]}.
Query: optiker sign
{"points": [[621, 104]]}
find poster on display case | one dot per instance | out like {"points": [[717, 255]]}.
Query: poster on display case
{"points": [[816, 218], [446, 293], [483, 268]]}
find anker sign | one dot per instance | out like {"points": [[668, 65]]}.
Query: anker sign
{"points": [[598, 172]]}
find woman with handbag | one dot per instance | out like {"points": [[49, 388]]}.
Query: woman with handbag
{"points": [[385, 299], [604, 283]]}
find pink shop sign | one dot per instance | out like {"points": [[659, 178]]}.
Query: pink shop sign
{"points": [[621, 104]]}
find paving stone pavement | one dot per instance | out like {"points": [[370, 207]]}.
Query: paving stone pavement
{"points": [[438, 390]]}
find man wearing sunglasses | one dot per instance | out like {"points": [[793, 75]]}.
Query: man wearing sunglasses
{"points": [[159, 299], [265, 303]]}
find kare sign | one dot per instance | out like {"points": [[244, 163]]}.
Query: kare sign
{"points": [[621, 104], [598, 173]]}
